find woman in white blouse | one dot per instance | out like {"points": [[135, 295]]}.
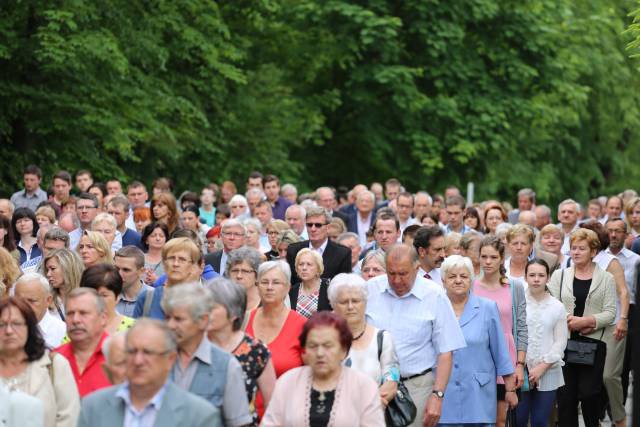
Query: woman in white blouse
{"points": [[548, 334], [348, 297]]}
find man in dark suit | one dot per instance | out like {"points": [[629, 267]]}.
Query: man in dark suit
{"points": [[233, 236], [335, 257], [361, 219]]}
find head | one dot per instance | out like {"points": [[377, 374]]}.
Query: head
{"points": [[536, 273], [242, 266], [386, 230], [24, 223], [6, 234], [239, 207], [63, 269], [161, 185], [137, 194], [254, 180], [227, 191], [455, 206], [470, 245], [164, 209], [45, 215], [457, 275], [520, 240], [326, 198], [114, 187], [601, 232], [274, 282], [181, 259], [233, 234], [118, 207], [527, 218], [263, 212], [351, 241], [32, 176], [6, 208], [187, 309], [632, 213], [106, 225], [526, 199], [87, 207], [253, 230], [316, 222], [568, 213], [450, 191], [452, 244], [68, 221], [295, 216], [325, 341], [99, 190], [309, 265], [392, 188], [229, 305], [471, 218], [290, 192], [208, 196], [115, 363], [494, 215], [190, 218], [94, 248], [273, 229], [83, 180], [402, 267], [35, 290], [348, 296], [551, 238], [142, 218], [492, 255], [106, 281], [584, 246], [286, 238], [254, 196], [335, 228], [61, 184], [377, 189], [614, 205], [9, 271], [373, 265], [129, 261], [85, 316], [429, 243], [272, 187], [19, 329], [366, 201], [543, 216], [421, 204], [594, 209]]}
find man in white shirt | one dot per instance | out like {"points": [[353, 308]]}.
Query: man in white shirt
{"points": [[568, 214], [429, 243], [35, 290], [404, 206], [87, 209]]}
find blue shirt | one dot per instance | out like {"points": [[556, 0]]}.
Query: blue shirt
{"points": [[421, 322], [131, 238], [207, 274], [146, 417]]}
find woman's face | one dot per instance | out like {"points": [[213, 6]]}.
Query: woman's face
{"points": [[69, 207], [273, 234], [160, 211], [13, 330], [110, 299], [536, 278], [457, 281], [350, 304], [323, 352], [282, 250], [520, 247], [372, 269], [211, 243], [237, 208], [24, 226], [156, 239], [471, 222], [54, 273], [473, 253], [634, 218], [581, 253], [219, 318], [107, 230], [244, 274], [189, 220], [494, 218], [490, 259], [43, 220], [141, 224], [551, 242], [252, 237], [88, 252], [273, 287], [307, 269]]}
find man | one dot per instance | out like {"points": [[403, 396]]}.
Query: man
{"points": [[35, 290], [594, 210], [115, 358], [32, 195], [543, 216], [451, 191], [350, 240], [290, 192], [421, 205], [326, 198], [454, 206], [613, 209], [392, 188], [86, 318], [233, 236], [68, 221], [360, 220], [350, 207], [527, 218], [568, 214], [119, 208], [386, 232], [107, 225], [418, 314], [254, 181], [137, 196], [272, 190], [526, 202], [6, 208], [254, 196], [264, 214], [295, 216], [87, 208], [378, 190], [148, 398], [429, 243], [114, 187], [203, 368], [130, 264], [61, 189], [404, 206], [84, 180], [336, 258], [48, 238]]}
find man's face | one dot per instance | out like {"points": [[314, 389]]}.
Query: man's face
{"points": [[263, 213], [31, 182], [455, 213], [317, 228], [129, 273], [148, 361], [232, 238], [594, 210], [614, 207], [392, 191], [364, 204], [295, 220], [568, 214], [118, 213], [84, 321], [401, 272], [35, 295], [386, 233], [433, 256], [542, 218], [354, 246], [186, 328], [137, 197], [254, 183], [106, 229], [83, 182], [179, 266], [61, 188], [5, 209], [421, 206], [114, 187], [617, 234], [87, 211], [115, 365], [252, 201], [404, 206], [326, 199], [50, 245], [524, 203], [272, 190]]}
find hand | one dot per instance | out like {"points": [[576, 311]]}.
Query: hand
{"points": [[587, 331], [388, 391], [511, 399], [519, 375], [432, 412], [576, 323], [535, 373], [621, 329]]}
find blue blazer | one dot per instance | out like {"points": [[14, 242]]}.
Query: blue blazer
{"points": [[470, 396]]}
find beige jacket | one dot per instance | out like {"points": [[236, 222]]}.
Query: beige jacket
{"points": [[601, 300], [60, 397]]}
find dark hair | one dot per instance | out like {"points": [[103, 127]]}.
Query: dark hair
{"points": [[191, 198], [89, 196], [24, 213], [193, 209], [9, 240], [538, 261], [406, 195], [102, 276], [131, 251], [163, 184], [432, 215], [255, 174], [63, 175], [189, 234], [84, 172], [223, 209], [35, 345], [410, 231], [135, 184], [600, 231], [330, 319], [100, 186], [149, 229], [472, 212], [269, 178], [32, 170], [263, 203], [455, 201], [385, 217], [496, 243], [425, 235]]}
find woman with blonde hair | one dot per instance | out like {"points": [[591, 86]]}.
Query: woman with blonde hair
{"points": [[9, 271], [164, 209], [520, 240], [94, 248], [310, 294], [632, 218], [274, 228], [286, 238], [45, 215], [63, 268]]}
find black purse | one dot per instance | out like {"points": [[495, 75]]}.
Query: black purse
{"points": [[401, 411]]}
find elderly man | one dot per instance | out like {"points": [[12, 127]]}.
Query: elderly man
{"points": [[32, 195], [115, 362], [568, 214], [419, 316], [404, 206], [86, 318], [130, 263], [148, 397], [360, 220], [254, 196], [386, 232], [421, 205], [290, 192], [527, 218], [233, 236], [613, 209], [203, 368], [107, 225], [526, 202], [543, 216], [6, 208], [295, 216], [326, 198], [35, 290], [429, 243], [278, 203], [350, 240], [118, 207]]}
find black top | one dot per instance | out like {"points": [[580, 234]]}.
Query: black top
{"points": [[320, 410], [323, 297], [580, 292]]}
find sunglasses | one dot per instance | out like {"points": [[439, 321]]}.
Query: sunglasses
{"points": [[315, 225]]}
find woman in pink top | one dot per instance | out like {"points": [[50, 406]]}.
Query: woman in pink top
{"points": [[495, 286]]}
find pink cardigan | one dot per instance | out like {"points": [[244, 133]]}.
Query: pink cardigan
{"points": [[357, 401]]}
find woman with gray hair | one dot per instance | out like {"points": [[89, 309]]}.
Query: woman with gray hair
{"points": [[252, 236], [372, 350], [242, 267], [225, 330], [373, 265]]}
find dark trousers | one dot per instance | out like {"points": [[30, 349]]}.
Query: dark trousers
{"points": [[568, 398], [536, 405], [628, 351]]}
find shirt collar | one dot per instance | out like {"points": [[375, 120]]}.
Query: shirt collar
{"points": [[626, 253], [203, 352], [322, 247], [417, 290], [124, 392]]}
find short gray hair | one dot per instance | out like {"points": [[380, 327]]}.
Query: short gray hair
{"points": [[169, 336], [424, 193], [106, 344], [318, 211], [377, 256], [567, 201], [346, 236], [243, 254], [190, 295], [121, 201], [284, 268], [302, 210], [255, 191], [289, 187], [28, 277], [232, 222], [456, 261], [252, 222], [288, 236], [367, 193], [528, 193], [230, 295], [346, 281], [57, 233], [78, 292], [104, 217]]}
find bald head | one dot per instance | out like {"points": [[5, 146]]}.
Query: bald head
{"points": [[401, 253], [402, 268], [115, 364], [527, 218]]}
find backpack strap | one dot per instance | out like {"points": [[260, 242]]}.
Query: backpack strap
{"points": [[148, 299]]}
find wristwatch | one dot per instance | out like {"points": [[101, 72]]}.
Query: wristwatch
{"points": [[439, 394]]}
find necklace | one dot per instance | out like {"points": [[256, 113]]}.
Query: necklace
{"points": [[360, 334]]}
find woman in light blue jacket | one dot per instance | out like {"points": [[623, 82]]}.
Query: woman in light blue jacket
{"points": [[470, 397]]}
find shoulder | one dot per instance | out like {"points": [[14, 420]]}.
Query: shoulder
{"points": [[294, 376], [64, 350], [338, 246], [295, 247], [99, 397], [196, 405], [294, 319]]}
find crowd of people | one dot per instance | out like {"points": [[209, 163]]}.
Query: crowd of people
{"points": [[367, 307]]}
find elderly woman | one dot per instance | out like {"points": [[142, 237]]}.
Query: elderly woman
{"points": [[310, 295], [286, 238], [520, 240], [470, 397], [225, 330], [325, 392], [274, 228], [94, 249], [239, 207], [589, 297], [242, 268], [106, 225], [164, 209], [348, 296], [25, 228], [494, 215], [373, 265], [549, 246], [253, 230], [26, 365], [63, 269]]}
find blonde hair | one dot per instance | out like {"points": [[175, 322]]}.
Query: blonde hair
{"points": [[181, 244], [71, 266], [317, 258], [101, 245], [9, 270], [628, 209], [47, 211], [585, 234], [521, 229]]}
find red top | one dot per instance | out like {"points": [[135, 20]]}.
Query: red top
{"points": [[93, 377]]}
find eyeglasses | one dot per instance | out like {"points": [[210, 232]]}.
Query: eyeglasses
{"points": [[14, 325], [85, 208], [145, 352], [178, 259], [274, 283], [241, 270], [315, 225], [236, 235]]}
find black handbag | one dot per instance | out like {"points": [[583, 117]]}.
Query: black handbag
{"points": [[401, 411]]}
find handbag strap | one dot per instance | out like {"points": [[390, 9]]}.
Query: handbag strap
{"points": [[560, 295], [380, 337], [513, 313]]}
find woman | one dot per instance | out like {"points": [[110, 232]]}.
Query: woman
{"points": [[494, 215], [348, 295], [274, 228], [45, 215], [470, 396], [310, 295], [106, 280], [286, 238], [632, 217], [142, 218], [510, 297], [589, 297], [7, 239], [549, 246], [154, 237], [335, 228], [472, 220], [26, 365], [161, 185], [164, 210], [207, 210], [63, 269], [239, 207], [452, 244], [189, 218], [470, 244], [253, 230], [430, 219], [520, 242], [331, 394], [242, 268], [225, 330], [548, 333], [94, 249], [25, 228], [227, 191], [373, 265], [9, 271], [106, 225]]}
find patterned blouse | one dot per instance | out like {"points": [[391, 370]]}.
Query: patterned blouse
{"points": [[253, 357], [307, 303]]}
